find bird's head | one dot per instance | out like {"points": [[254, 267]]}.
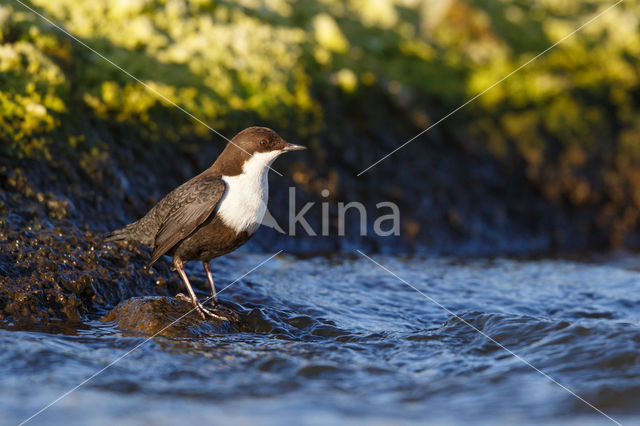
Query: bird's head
{"points": [[254, 147]]}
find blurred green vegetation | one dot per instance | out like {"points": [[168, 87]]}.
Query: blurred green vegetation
{"points": [[571, 116]]}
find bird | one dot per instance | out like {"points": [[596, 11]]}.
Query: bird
{"points": [[215, 212]]}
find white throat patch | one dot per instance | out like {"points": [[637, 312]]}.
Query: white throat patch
{"points": [[244, 202]]}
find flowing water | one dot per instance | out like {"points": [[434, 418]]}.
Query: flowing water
{"points": [[344, 341]]}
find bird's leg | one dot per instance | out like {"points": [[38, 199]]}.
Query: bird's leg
{"points": [[194, 299], [207, 269]]}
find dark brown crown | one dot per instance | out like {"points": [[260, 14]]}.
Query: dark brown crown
{"points": [[250, 141]]}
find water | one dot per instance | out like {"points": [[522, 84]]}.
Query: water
{"points": [[343, 341]]}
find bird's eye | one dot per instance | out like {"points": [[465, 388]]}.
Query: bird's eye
{"points": [[263, 142]]}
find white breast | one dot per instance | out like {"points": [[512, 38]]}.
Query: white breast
{"points": [[244, 203]]}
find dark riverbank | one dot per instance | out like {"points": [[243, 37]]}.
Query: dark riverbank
{"points": [[452, 201]]}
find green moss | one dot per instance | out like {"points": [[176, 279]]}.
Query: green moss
{"points": [[230, 62], [33, 86]]}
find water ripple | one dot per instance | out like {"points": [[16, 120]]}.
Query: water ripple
{"points": [[340, 340]]}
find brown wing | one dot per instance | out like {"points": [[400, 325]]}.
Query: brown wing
{"points": [[187, 207]]}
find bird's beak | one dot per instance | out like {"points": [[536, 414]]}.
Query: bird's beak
{"points": [[293, 147]]}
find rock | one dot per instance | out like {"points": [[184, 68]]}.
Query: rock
{"points": [[169, 317]]}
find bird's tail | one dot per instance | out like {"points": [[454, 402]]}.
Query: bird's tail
{"points": [[118, 235], [140, 231]]}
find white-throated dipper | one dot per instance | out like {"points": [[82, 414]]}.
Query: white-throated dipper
{"points": [[215, 212]]}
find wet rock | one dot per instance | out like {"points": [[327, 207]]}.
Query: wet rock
{"points": [[169, 317], [52, 273]]}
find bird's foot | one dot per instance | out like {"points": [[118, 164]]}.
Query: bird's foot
{"points": [[207, 312], [203, 311]]}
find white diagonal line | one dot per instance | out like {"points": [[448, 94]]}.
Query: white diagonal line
{"points": [[115, 361], [492, 86], [492, 339], [146, 86]]}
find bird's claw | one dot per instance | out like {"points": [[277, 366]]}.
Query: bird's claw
{"points": [[205, 311], [201, 309]]}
